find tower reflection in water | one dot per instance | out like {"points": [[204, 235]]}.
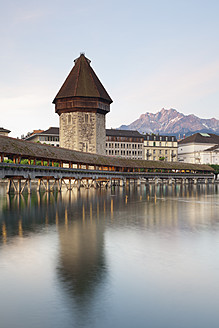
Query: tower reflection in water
{"points": [[81, 218], [81, 266]]}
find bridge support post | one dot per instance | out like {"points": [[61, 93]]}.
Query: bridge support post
{"points": [[206, 181], [110, 183], [170, 181], [121, 182], [195, 181], [78, 184], [69, 185], [29, 186], [156, 181], [59, 184], [9, 186], [38, 185], [139, 182], [95, 184], [19, 186], [47, 185]]}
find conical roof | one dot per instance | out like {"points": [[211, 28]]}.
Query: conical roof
{"points": [[82, 82]]}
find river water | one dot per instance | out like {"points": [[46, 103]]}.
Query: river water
{"points": [[125, 257]]}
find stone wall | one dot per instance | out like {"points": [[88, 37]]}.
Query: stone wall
{"points": [[101, 134], [83, 131]]}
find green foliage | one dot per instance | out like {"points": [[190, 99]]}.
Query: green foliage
{"points": [[161, 158], [215, 167], [8, 161], [24, 161]]}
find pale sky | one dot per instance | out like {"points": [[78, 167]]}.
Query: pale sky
{"points": [[148, 55]]}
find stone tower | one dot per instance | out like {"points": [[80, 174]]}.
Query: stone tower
{"points": [[82, 103]]}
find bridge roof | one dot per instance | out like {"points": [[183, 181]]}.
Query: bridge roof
{"points": [[82, 82], [27, 149]]}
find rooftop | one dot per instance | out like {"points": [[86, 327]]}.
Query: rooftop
{"points": [[123, 133], [201, 138], [157, 137], [4, 130], [82, 82], [54, 131], [51, 131]]}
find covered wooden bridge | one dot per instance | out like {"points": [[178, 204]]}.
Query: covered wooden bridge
{"points": [[25, 160]]}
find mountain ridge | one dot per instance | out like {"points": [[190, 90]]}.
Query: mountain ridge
{"points": [[170, 121]]}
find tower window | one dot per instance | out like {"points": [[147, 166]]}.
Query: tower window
{"points": [[69, 119], [86, 118]]}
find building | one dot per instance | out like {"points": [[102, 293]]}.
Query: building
{"points": [[124, 143], [200, 148], [82, 104], [158, 147], [49, 137], [4, 132]]}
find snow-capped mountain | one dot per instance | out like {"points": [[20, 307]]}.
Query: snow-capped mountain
{"points": [[170, 121]]}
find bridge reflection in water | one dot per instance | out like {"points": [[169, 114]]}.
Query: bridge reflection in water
{"points": [[82, 219], [23, 213]]}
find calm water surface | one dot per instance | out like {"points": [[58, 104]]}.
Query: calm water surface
{"points": [[146, 257]]}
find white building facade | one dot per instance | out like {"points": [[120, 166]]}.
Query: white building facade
{"points": [[200, 148]]}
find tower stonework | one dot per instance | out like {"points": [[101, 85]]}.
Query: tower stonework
{"points": [[82, 103]]}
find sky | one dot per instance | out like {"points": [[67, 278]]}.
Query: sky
{"points": [[149, 55]]}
